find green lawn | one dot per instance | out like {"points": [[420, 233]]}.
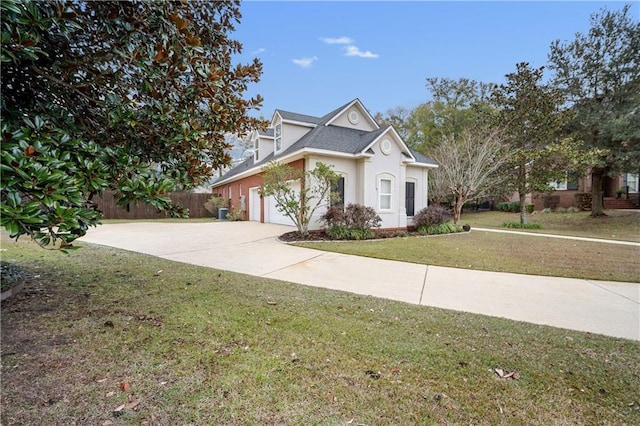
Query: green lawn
{"points": [[525, 254], [617, 225], [202, 346]]}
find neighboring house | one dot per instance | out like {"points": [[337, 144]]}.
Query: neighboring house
{"points": [[620, 191], [376, 167]]}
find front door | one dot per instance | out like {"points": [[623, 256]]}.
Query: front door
{"points": [[410, 198]]}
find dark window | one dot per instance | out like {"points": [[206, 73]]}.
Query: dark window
{"points": [[338, 189], [572, 181], [410, 196]]}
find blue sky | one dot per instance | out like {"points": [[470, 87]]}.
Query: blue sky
{"points": [[318, 55]]}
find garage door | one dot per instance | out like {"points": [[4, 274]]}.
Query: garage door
{"points": [[273, 215], [254, 204]]}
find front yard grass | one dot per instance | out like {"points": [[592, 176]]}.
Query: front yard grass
{"points": [[617, 225], [181, 344], [490, 251]]}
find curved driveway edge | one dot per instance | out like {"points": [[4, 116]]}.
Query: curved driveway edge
{"points": [[609, 308]]}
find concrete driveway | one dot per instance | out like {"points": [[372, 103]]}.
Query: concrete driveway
{"points": [[609, 308]]}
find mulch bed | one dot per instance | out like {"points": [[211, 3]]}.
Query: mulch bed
{"points": [[321, 235]]}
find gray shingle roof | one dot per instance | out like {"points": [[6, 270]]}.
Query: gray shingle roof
{"points": [[335, 138], [421, 158], [294, 116], [322, 137], [332, 114]]}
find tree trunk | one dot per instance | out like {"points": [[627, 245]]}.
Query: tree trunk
{"points": [[524, 220], [597, 202], [457, 208]]}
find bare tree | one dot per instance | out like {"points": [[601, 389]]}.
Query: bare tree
{"points": [[469, 165]]}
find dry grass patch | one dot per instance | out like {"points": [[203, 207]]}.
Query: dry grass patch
{"points": [[201, 346]]}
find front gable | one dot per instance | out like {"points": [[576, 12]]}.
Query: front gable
{"points": [[355, 116], [390, 144]]}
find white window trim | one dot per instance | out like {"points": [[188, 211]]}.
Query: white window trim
{"points": [[559, 186], [390, 178], [278, 138], [256, 150], [635, 178]]}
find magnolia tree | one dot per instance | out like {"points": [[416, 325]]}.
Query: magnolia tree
{"points": [[469, 165], [130, 96], [299, 206]]}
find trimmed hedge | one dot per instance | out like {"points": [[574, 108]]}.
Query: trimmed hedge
{"points": [[511, 206]]}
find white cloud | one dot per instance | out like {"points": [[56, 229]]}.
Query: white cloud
{"points": [[261, 50], [355, 51], [305, 62], [339, 40]]}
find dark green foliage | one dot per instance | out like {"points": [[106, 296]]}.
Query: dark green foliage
{"points": [[344, 233], [355, 222], [431, 215], [599, 72], [511, 206], [518, 225], [530, 208], [134, 97], [443, 228]]}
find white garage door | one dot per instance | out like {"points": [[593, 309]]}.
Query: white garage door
{"points": [[254, 204], [273, 215]]}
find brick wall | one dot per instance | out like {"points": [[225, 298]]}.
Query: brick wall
{"points": [[240, 188]]}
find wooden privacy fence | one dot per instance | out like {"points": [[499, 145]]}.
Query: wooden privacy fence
{"points": [[194, 202]]}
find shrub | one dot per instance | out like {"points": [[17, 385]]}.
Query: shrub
{"points": [[561, 210], [551, 201], [510, 206], [334, 216], [530, 208], [443, 228], [359, 216], [573, 209], [214, 203], [344, 233], [430, 216], [352, 223], [546, 210], [234, 215], [583, 200], [518, 225]]}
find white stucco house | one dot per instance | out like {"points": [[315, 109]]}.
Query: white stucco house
{"points": [[376, 167]]}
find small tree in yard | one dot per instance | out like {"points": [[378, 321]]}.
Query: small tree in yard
{"points": [[469, 165], [315, 191]]}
